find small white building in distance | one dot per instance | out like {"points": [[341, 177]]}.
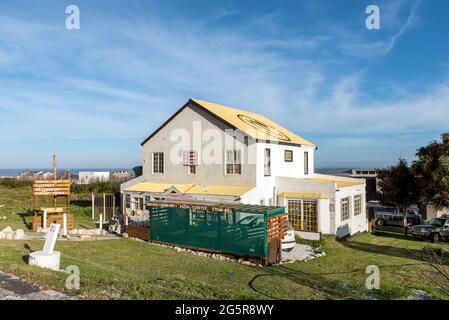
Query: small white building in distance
{"points": [[86, 177], [209, 152]]}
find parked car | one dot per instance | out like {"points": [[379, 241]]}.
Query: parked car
{"points": [[390, 216], [289, 241], [437, 229]]}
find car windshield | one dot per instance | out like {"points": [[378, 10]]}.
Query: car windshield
{"points": [[437, 222]]}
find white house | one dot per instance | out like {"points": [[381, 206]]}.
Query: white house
{"points": [[210, 152], [86, 177]]}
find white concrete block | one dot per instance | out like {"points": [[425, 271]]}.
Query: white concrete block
{"points": [[45, 260], [8, 229], [19, 234]]}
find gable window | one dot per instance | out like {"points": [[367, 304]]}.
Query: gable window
{"points": [[288, 155], [158, 162], [344, 208], [306, 162], [267, 162], [190, 159], [233, 162], [357, 204]]}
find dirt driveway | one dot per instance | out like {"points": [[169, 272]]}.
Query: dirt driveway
{"points": [[13, 288]]}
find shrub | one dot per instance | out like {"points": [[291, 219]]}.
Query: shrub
{"points": [[96, 187], [13, 183]]}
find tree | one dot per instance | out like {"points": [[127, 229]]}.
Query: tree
{"points": [[398, 186], [432, 171]]}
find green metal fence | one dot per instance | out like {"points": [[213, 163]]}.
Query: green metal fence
{"points": [[241, 232]]}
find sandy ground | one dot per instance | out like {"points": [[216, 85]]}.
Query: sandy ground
{"points": [[13, 288]]}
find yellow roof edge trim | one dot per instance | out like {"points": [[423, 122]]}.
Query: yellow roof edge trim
{"points": [[303, 195], [254, 124], [341, 182], [158, 187], [223, 190]]}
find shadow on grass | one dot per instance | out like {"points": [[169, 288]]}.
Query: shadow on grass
{"points": [[332, 289], [329, 288], [393, 232], [26, 258], [382, 249], [24, 216], [81, 203]]}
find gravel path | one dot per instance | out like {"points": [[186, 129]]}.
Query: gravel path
{"points": [[14, 288], [300, 252]]}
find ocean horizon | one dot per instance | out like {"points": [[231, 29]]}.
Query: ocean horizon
{"points": [[13, 172]]}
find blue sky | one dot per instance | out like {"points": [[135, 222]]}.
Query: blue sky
{"points": [[365, 97]]}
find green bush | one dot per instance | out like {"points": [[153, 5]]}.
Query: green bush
{"points": [[96, 187], [13, 183]]}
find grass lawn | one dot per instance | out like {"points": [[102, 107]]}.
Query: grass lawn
{"points": [[131, 269], [18, 209]]}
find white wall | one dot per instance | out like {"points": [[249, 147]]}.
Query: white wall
{"points": [[279, 168], [354, 224]]}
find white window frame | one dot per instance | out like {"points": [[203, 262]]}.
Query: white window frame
{"points": [[267, 164], [306, 162], [341, 208], [190, 171], [288, 151], [236, 161], [301, 203], [356, 213], [153, 161]]}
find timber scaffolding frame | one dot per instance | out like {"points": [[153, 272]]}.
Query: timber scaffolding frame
{"points": [[55, 189], [250, 232]]}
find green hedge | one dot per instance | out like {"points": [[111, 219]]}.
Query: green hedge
{"points": [[14, 183]]}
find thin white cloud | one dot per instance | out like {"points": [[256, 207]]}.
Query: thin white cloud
{"points": [[120, 78], [361, 45]]}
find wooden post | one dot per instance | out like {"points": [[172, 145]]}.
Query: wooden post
{"points": [[44, 220], [54, 177], [101, 223], [113, 205], [104, 205], [405, 223], [371, 219], [93, 206], [54, 167], [64, 224]]}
